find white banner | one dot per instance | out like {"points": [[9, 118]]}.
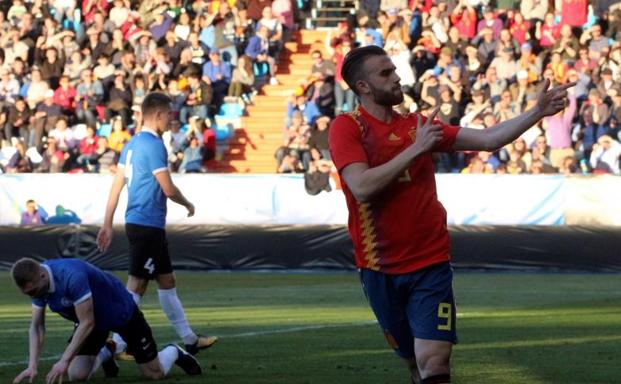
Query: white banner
{"points": [[282, 199]]}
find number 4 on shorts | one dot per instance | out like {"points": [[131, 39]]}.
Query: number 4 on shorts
{"points": [[149, 266]]}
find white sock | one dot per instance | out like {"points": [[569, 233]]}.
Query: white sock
{"points": [[174, 311], [167, 358], [103, 356], [121, 345], [136, 297]]}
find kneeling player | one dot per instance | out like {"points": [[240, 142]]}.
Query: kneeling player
{"points": [[97, 303]]}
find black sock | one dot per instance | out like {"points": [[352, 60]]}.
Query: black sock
{"points": [[437, 379]]}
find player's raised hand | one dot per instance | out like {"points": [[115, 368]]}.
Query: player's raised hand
{"points": [[104, 238], [57, 372], [552, 101], [31, 373], [190, 208], [428, 134]]}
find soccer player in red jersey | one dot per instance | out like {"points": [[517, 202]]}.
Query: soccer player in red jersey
{"points": [[396, 222]]}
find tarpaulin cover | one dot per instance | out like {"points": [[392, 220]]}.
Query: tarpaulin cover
{"points": [[205, 247]]}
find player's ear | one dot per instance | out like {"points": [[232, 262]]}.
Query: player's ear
{"points": [[362, 87]]}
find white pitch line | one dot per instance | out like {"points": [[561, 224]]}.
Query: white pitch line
{"points": [[244, 334]]}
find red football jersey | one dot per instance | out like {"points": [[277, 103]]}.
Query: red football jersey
{"points": [[403, 229]]}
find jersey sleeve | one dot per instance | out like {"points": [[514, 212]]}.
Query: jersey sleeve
{"points": [[78, 288], [157, 159], [38, 302], [345, 141], [449, 135]]}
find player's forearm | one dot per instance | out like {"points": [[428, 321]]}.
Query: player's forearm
{"points": [[178, 197], [79, 337], [113, 200], [374, 180], [36, 335], [506, 132]]}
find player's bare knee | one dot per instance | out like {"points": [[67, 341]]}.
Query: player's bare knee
{"points": [[166, 281], [432, 364], [154, 373], [78, 374]]}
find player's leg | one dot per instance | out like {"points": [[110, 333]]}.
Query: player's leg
{"points": [[142, 345], [82, 366], [432, 314], [169, 300], [141, 270], [389, 306]]}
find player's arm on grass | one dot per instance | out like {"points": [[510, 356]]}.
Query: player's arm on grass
{"points": [[86, 324], [36, 336], [172, 192], [104, 237], [549, 102], [365, 182]]}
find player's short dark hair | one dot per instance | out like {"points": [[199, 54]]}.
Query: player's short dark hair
{"points": [[154, 102], [24, 271], [353, 66]]}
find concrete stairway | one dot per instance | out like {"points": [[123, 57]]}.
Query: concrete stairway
{"points": [[252, 148]]}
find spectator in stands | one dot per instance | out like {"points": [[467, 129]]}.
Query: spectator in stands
{"points": [[275, 31], [299, 102], [605, 155], [119, 135], [242, 80], [18, 121], [36, 89], [567, 45], [9, 87], [257, 50], [321, 93], [192, 157], [65, 96], [20, 162], [53, 159], [34, 214], [295, 144], [120, 99], [88, 146], [199, 97], [318, 142], [106, 157], [217, 73], [559, 128], [45, 117], [342, 93], [89, 94]]}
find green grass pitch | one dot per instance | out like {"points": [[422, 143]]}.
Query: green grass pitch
{"points": [[282, 328]]}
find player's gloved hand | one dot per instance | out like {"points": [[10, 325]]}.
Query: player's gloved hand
{"points": [[29, 372], [190, 208], [58, 371], [428, 134], [552, 101], [104, 238]]}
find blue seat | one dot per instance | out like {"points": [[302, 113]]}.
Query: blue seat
{"points": [[231, 110]]}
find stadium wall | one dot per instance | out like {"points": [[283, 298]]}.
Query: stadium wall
{"points": [[285, 247], [282, 199]]}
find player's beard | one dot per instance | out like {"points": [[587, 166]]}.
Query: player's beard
{"points": [[387, 98]]}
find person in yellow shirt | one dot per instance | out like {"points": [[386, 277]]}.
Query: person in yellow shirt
{"points": [[119, 135]]}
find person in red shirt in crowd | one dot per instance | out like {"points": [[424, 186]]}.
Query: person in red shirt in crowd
{"points": [[519, 28], [64, 96], [574, 12], [396, 222]]}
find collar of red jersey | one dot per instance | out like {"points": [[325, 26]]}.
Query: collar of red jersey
{"points": [[52, 288]]}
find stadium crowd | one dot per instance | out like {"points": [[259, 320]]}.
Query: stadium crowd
{"points": [[73, 74], [481, 62]]}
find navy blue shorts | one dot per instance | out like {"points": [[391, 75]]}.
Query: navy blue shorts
{"points": [[413, 305]]}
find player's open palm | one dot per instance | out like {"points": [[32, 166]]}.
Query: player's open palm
{"points": [[428, 134], [29, 373], [551, 101], [104, 238]]}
